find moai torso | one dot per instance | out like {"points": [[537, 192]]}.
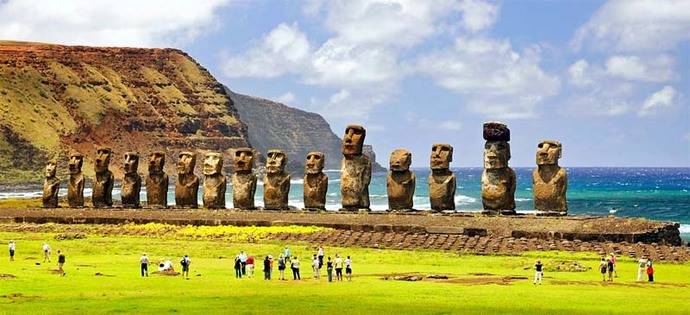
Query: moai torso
{"points": [[549, 181], [75, 186], [157, 181], [243, 179], [214, 181], [315, 182], [276, 181], [355, 171], [441, 180], [400, 182], [51, 186], [187, 186], [103, 183], [498, 180], [131, 184]]}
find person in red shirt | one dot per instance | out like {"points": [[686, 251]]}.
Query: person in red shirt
{"points": [[250, 266], [650, 271]]}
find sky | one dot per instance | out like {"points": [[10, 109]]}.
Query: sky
{"points": [[609, 79]]}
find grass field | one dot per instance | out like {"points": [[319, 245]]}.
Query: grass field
{"points": [[213, 289]]}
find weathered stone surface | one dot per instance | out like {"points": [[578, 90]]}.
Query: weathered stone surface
{"points": [[441, 180], [51, 186], [243, 179], [498, 180], [75, 186], [187, 186], [131, 184], [315, 182], [355, 172], [157, 181], [104, 181], [276, 181], [400, 182], [549, 180], [214, 181]]}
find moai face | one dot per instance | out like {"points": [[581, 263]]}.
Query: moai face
{"points": [[400, 160], [50, 169], [186, 162], [156, 162], [213, 163], [353, 141], [102, 160], [496, 154], [441, 156], [131, 162], [243, 160], [76, 160], [314, 163], [276, 161], [548, 152]]}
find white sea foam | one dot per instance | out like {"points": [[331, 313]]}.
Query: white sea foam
{"points": [[462, 199], [523, 199], [684, 228]]}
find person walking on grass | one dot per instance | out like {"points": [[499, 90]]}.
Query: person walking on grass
{"points": [[329, 269], [320, 253], [12, 247], [348, 269], [603, 265], [281, 266], [185, 262], [144, 265], [294, 264], [641, 268], [250, 266], [338, 268], [286, 254], [650, 271], [315, 267], [243, 261], [609, 268], [267, 268], [613, 260], [46, 252], [238, 267], [538, 273], [61, 263]]}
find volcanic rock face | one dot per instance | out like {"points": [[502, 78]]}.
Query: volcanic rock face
{"points": [[54, 99]]}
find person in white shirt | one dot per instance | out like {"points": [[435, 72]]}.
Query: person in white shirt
{"points": [[144, 265], [641, 268], [243, 261], [12, 247], [338, 268], [320, 254], [46, 252], [348, 268], [315, 267]]}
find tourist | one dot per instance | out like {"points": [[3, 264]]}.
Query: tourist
{"points": [[238, 267], [609, 268], [46, 252], [329, 269], [250, 266], [281, 267], [338, 268], [320, 253], [286, 254], [166, 266], [294, 264], [538, 273], [185, 262], [650, 271], [144, 265], [12, 247], [348, 269], [61, 263], [243, 261], [641, 268], [315, 267], [267, 268], [613, 259], [602, 267]]}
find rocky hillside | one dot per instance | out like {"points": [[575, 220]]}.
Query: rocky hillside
{"points": [[274, 125], [54, 99]]}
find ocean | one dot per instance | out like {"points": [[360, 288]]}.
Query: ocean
{"points": [[653, 193]]}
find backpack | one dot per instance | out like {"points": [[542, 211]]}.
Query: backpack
{"points": [[183, 262]]}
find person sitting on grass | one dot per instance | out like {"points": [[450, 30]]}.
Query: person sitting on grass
{"points": [[602, 267], [166, 266], [348, 268], [538, 273], [61, 263], [144, 260], [329, 269], [185, 262], [46, 252], [238, 267], [281, 266], [12, 247], [294, 264]]}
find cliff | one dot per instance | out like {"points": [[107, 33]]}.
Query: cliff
{"points": [[55, 99]]}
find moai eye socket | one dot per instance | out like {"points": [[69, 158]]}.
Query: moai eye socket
{"points": [[541, 145], [316, 157]]}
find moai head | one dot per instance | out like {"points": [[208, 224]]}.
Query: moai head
{"points": [[213, 163], [497, 148], [400, 160], [131, 162], [276, 161], [314, 163], [156, 162], [243, 160], [102, 160], [548, 152], [186, 162], [353, 141], [50, 169], [441, 156], [76, 160]]}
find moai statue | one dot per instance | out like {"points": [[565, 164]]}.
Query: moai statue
{"points": [[157, 182], [243, 179], [442, 179], [187, 186], [103, 184], [214, 181], [549, 181], [51, 186], [355, 172], [131, 185], [400, 181], [498, 180], [75, 186], [276, 181], [315, 182]]}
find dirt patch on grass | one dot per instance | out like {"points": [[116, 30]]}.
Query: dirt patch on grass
{"points": [[506, 280], [19, 297], [482, 279], [99, 274], [620, 284], [7, 276], [166, 273]]}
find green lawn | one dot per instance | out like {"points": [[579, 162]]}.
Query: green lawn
{"points": [[213, 288]]}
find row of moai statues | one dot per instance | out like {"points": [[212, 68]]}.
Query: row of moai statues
{"points": [[498, 179]]}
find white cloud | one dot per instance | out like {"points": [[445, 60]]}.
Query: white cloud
{"points": [[578, 73], [154, 23], [634, 68], [636, 25], [450, 125], [663, 98], [478, 15], [286, 98]]}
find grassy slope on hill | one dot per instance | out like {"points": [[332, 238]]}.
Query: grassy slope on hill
{"points": [[37, 290]]}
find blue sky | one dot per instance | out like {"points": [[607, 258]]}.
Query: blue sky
{"points": [[609, 79]]}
